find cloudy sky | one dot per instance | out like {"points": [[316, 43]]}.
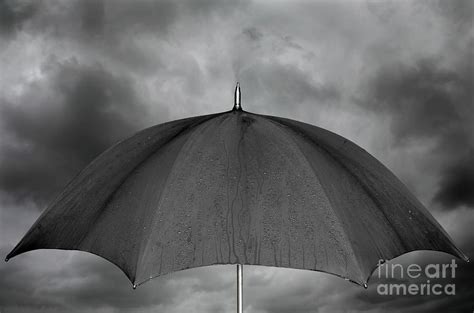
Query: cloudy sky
{"points": [[396, 77]]}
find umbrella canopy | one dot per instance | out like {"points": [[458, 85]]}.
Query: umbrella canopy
{"points": [[237, 188]]}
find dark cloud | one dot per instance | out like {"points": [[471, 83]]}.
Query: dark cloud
{"points": [[86, 19], [457, 184], [428, 101], [14, 13], [93, 17], [56, 128], [252, 33], [80, 281], [425, 100]]}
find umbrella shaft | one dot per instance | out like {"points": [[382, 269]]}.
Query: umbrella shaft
{"points": [[240, 276]]}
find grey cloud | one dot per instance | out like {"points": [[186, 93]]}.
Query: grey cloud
{"points": [[108, 20], [144, 15], [14, 13], [252, 33], [460, 12], [93, 17], [82, 283], [457, 184], [382, 10], [284, 87], [411, 92], [56, 127], [105, 19], [427, 101]]}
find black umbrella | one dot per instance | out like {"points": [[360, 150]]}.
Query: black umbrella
{"points": [[237, 188]]}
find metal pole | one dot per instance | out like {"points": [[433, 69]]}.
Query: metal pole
{"points": [[240, 277]]}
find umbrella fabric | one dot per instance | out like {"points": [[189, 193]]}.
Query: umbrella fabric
{"points": [[237, 188]]}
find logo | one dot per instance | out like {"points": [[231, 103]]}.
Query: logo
{"points": [[414, 279]]}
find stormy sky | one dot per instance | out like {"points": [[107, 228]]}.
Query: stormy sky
{"points": [[396, 77]]}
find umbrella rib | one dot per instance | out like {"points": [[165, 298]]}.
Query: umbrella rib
{"points": [[284, 130], [172, 167], [452, 248], [179, 133], [144, 242], [363, 186]]}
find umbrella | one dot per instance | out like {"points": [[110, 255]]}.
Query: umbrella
{"points": [[237, 188]]}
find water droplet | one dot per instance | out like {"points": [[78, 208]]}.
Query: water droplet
{"points": [[134, 286], [366, 286]]}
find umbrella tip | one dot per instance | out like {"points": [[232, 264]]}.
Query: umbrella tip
{"points": [[6, 259], [237, 98]]}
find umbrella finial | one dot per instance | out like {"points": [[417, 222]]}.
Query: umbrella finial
{"points": [[237, 98]]}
